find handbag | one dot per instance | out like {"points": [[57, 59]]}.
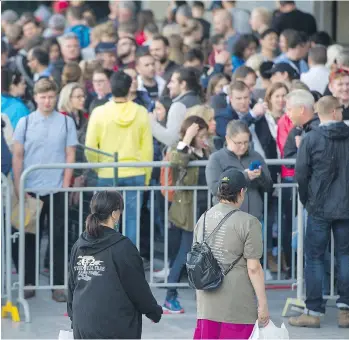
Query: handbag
{"points": [[32, 211], [204, 271]]}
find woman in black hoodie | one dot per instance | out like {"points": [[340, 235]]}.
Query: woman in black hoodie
{"points": [[107, 289]]}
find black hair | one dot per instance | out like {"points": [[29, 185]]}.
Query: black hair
{"points": [[194, 54], [120, 84], [317, 95], [284, 3], [192, 78], [41, 56], [243, 42], [267, 32], [142, 52], [9, 77], [102, 204], [162, 38], [321, 38], [198, 4], [49, 42], [225, 194], [215, 39], [4, 47]]}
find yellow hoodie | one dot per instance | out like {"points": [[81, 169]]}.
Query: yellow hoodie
{"points": [[123, 128]]}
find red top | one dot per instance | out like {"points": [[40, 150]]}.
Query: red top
{"points": [[140, 38], [284, 127]]}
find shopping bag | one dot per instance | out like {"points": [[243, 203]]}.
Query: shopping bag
{"points": [[32, 210], [269, 332], [65, 335]]}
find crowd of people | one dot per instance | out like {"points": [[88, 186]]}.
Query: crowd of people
{"points": [[233, 91]]}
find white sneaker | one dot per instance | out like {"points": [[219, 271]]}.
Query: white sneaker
{"points": [[162, 273], [268, 276]]}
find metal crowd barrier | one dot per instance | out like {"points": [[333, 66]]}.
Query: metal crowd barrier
{"points": [[6, 251], [296, 278]]}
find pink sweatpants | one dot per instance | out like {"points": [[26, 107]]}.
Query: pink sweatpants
{"points": [[207, 329]]}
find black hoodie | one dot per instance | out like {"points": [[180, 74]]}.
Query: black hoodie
{"points": [[107, 289], [322, 171]]}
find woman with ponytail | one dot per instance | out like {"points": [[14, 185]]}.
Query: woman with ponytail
{"points": [[107, 289]]}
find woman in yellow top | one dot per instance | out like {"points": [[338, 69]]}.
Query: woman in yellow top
{"points": [[121, 126]]}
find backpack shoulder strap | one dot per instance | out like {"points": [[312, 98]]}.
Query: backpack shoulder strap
{"points": [[25, 129], [232, 265], [221, 223], [66, 131]]}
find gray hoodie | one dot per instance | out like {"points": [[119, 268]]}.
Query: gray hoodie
{"points": [[225, 159]]}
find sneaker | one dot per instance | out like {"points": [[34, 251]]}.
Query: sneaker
{"points": [[172, 306], [305, 320], [161, 274], [343, 318]]}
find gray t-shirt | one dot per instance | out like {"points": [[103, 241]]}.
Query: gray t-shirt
{"points": [[234, 301], [45, 139]]}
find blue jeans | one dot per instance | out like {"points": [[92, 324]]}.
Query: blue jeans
{"points": [[186, 242], [130, 203], [317, 238]]}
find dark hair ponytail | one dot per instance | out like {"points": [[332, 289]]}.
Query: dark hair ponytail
{"points": [[225, 193], [102, 205]]}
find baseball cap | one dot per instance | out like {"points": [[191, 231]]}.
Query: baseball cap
{"points": [[9, 16], [285, 67], [235, 179], [265, 69], [103, 47]]}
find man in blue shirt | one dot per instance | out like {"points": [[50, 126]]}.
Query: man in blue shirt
{"points": [[38, 61], [44, 137]]}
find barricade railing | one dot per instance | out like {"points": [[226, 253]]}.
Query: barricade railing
{"points": [[294, 279], [6, 251]]}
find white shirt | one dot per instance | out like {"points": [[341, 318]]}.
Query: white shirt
{"points": [[316, 78]]}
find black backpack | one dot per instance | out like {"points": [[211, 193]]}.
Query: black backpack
{"points": [[204, 271]]}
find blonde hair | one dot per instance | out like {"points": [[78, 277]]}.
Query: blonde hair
{"points": [[255, 61], [44, 85], [264, 14], [326, 104], [203, 111], [64, 102]]}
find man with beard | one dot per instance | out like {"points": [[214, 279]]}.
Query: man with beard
{"points": [[126, 50], [160, 50]]}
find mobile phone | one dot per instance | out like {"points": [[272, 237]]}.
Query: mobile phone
{"points": [[255, 165]]}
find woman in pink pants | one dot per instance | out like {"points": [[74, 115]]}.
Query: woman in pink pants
{"points": [[230, 311]]}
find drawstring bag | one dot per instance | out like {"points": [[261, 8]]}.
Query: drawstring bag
{"points": [[204, 271]]}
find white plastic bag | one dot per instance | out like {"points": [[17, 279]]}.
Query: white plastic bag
{"points": [[65, 335], [269, 332]]}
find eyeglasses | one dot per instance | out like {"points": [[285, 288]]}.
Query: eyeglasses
{"points": [[102, 81], [240, 143], [340, 107]]}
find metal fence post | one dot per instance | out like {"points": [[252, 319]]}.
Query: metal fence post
{"points": [[9, 307], [115, 179]]}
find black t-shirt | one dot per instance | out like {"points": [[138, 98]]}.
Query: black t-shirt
{"points": [[346, 113], [153, 91], [296, 20]]}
